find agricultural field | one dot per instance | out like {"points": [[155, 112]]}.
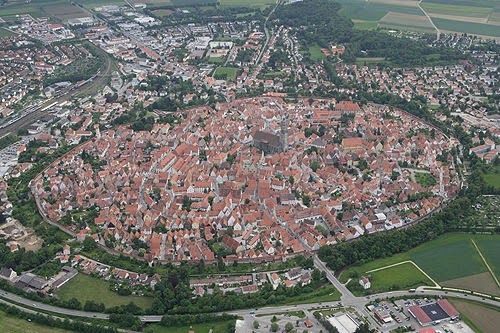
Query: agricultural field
{"points": [[219, 326], [409, 21], [14, 324], [480, 17], [87, 288], [246, 3], [481, 318], [226, 73], [468, 27], [64, 12], [455, 10], [91, 4], [450, 260]]}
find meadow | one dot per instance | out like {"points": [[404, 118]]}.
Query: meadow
{"points": [[315, 53], [14, 324], [398, 277], [87, 288], [450, 258]]}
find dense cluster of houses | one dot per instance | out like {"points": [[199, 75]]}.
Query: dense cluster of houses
{"points": [[183, 192]]}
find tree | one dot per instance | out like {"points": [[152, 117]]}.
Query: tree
{"points": [[275, 327], [364, 328], [288, 327], [256, 324]]}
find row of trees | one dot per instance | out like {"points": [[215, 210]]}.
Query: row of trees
{"points": [[66, 324]]}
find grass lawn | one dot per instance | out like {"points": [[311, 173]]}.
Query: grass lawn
{"points": [[493, 178], [425, 179], [226, 73], [219, 326], [87, 288], [315, 52], [365, 25], [13, 324], [216, 60], [448, 257], [399, 277], [327, 293]]}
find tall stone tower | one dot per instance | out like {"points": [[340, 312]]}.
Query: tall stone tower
{"points": [[284, 133]]}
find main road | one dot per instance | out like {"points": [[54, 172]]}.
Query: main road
{"points": [[347, 300]]}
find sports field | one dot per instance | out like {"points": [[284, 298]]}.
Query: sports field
{"points": [[225, 73], [87, 288], [452, 260]]}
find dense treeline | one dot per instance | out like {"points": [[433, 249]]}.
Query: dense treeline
{"points": [[73, 325], [78, 70], [173, 295], [320, 20], [181, 320], [398, 51]]}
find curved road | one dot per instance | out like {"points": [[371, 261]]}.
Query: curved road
{"points": [[357, 302]]}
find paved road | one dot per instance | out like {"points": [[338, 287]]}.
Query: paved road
{"points": [[99, 79], [357, 302]]}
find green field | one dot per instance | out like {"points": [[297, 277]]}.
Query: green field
{"points": [[468, 27], [448, 257], [399, 277], [226, 73], [11, 324], [425, 179], [315, 53], [247, 3], [456, 10], [87, 288], [369, 11], [490, 248], [216, 327], [492, 178], [365, 25], [5, 33], [324, 294]]}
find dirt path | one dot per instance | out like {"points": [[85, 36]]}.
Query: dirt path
{"points": [[438, 33], [486, 263]]}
